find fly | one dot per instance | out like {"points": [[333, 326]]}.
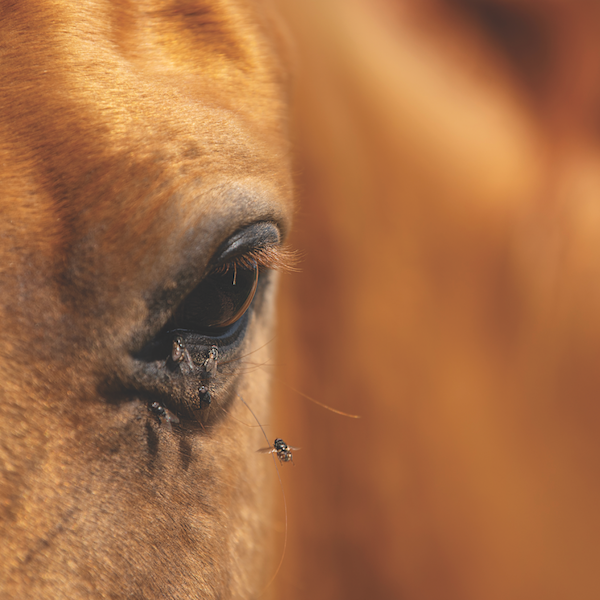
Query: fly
{"points": [[162, 413], [210, 364], [283, 451], [204, 396], [180, 353]]}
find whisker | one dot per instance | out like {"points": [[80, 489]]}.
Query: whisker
{"points": [[250, 367], [274, 365], [232, 360], [333, 410], [283, 494]]}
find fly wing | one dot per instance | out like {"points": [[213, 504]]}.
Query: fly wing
{"points": [[293, 448], [266, 450], [170, 417]]}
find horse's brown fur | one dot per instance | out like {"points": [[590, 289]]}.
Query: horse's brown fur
{"points": [[135, 137]]}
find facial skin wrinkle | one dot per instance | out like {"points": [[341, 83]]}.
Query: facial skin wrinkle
{"points": [[45, 541]]}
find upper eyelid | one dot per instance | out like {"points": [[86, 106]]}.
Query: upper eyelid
{"points": [[250, 238]]}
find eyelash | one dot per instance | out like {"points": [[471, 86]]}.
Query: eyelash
{"points": [[276, 258]]}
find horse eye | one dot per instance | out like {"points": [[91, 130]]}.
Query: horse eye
{"points": [[218, 301]]}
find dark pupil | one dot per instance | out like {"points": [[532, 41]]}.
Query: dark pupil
{"points": [[219, 300]]}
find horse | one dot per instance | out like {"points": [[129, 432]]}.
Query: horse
{"points": [[443, 156], [146, 198]]}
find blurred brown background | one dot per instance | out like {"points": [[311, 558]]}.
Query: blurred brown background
{"points": [[448, 174]]}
